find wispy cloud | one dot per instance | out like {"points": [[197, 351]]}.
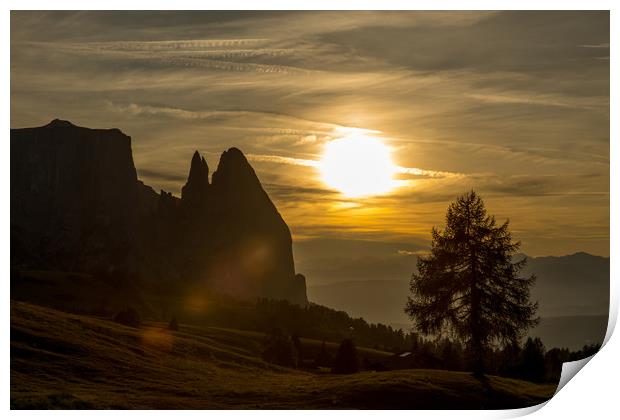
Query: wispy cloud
{"points": [[428, 173], [284, 160], [543, 100], [240, 55], [407, 253], [601, 45], [184, 114]]}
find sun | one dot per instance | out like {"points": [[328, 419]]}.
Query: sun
{"points": [[358, 165]]}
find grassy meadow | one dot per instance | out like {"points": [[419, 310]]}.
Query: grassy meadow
{"points": [[62, 360]]}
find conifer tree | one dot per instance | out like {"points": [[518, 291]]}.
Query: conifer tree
{"points": [[470, 285]]}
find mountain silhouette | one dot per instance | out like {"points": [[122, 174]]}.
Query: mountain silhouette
{"points": [[572, 292], [77, 205]]}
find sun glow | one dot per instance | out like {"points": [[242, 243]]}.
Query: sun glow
{"points": [[358, 165]]}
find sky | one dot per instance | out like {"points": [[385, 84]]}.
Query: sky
{"points": [[512, 104]]}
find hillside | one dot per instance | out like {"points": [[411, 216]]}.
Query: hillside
{"points": [[60, 360]]}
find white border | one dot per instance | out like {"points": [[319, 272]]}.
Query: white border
{"points": [[312, 5]]}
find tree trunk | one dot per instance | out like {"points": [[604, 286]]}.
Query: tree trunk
{"points": [[476, 336], [476, 347], [476, 339]]}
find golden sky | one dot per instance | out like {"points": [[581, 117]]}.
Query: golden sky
{"points": [[512, 104]]}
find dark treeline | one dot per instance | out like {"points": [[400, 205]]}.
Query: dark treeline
{"points": [[286, 322], [312, 321], [530, 361]]}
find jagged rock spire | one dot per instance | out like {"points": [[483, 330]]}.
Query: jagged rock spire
{"points": [[198, 171], [197, 185]]}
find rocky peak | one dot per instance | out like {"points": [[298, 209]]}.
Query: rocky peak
{"points": [[197, 185], [234, 170], [250, 224], [199, 170]]}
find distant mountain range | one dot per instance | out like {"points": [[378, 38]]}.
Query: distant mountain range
{"points": [[572, 292], [78, 206]]}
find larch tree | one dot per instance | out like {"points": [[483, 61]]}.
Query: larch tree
{"points": [[470, 284]]}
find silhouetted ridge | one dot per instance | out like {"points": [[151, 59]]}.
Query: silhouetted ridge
{"points": [[77, 205]]}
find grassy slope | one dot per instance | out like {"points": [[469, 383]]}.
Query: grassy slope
{"points": [[60, 360]]}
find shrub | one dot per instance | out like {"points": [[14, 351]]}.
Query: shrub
{"points": [[128, 317], [346, 359]]}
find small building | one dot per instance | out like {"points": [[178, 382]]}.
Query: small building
{"points": [[409, 360]]}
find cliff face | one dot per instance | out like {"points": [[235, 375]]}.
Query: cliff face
{"points": [[77, 205], [72, 194], [250, 233]]}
